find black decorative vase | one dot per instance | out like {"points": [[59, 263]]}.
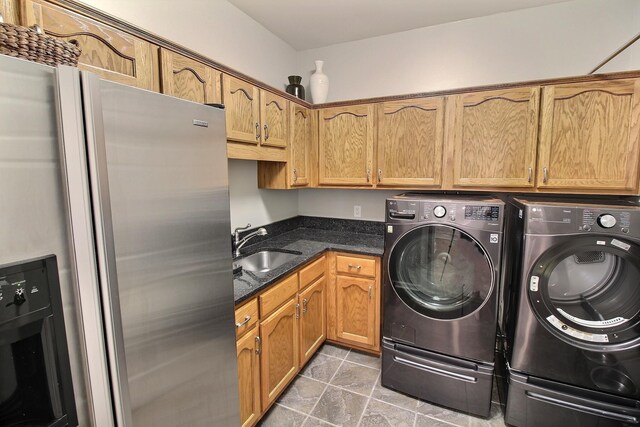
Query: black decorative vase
{"points": [[295, 88]]}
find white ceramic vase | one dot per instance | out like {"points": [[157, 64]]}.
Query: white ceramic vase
{"points": [[319, 84]]}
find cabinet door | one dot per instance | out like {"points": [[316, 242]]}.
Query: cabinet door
{"points": [[313, 319], [346, 145], [188, 79], [589, 136], [280, 350], [110, 53], [494, 137], [301, 135], [242, 103], [274, 112], [249, 378], [410, 138], [355, 304], [9, 11]]}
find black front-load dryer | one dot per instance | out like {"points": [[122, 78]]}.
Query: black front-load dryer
{"points": [[574, 341], [440, 286]]}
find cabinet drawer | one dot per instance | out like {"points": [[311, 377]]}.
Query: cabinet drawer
{"points": [[276, 296], [311, 272], [356, 265], [246, 317]]}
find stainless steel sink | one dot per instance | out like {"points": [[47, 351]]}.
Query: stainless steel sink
{"points": [[265, 261]]}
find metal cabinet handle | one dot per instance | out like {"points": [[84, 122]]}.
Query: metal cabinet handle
{"points": [[295, 175], [297, 311], [357, 267], [258, 345], [368, 174], [266, 132], [37, 28], [370, 292], [244, 322], [257, 131], [379, 175], [304, 305], [530, 176], [545, 175]]}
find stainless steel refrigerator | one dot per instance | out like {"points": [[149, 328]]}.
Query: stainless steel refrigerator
{"points": [[142, 198]]}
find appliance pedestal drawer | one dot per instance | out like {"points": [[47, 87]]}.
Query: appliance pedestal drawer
{"points": [[444, 380], [537, 402]]}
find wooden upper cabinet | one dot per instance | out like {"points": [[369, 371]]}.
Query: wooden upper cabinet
{"points": [[9, 11], [493, 136], [346, 145], [110, 53], [274, 112], [185, 78], [301, 144], [410, 140], [242, 104], [589, 136]]}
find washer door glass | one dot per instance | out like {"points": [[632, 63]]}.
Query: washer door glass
{"points": [[440, 272]]}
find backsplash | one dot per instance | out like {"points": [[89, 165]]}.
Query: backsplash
{"points": [[320, 223]]}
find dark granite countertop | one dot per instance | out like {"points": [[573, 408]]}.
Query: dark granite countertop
{"points": [[311, 243]]}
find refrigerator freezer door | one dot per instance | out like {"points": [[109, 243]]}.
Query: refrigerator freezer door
{"points": [[158, 171]]}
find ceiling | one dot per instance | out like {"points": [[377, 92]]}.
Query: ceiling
{"points": [[308, 24]]}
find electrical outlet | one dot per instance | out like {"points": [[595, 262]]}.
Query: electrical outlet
{"points": [[357, 211]]}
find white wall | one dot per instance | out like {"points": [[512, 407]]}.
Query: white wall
{"points": [[214, 28], [252, 205], [336, 203], [552, 41]]}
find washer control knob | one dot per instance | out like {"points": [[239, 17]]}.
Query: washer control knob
{"points": [[19, 298], [586, 227], [625, 230], [606, 221], [439, 211]]}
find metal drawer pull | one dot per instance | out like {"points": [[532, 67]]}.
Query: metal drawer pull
{"points": [[379, 175], [244, 322], [433, 370], [357, 267], [545, 175], [295, 175], [583, 408], [304, 305], [530, 175], [370, 292], [368, 174], [257, 131], [266, 132], [258, 345], [297, 311]]}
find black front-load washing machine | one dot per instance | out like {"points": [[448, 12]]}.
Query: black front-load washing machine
{"points": [[572, 314], [440, 286]]}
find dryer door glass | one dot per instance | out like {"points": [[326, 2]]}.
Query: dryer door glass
{"points": [[440, 272], [595, 288]]}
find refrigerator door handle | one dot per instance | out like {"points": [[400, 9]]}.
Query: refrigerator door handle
{"points": [[600, 412], [105, 247]]}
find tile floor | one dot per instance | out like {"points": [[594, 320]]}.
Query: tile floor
{"points": [[341, 387]]}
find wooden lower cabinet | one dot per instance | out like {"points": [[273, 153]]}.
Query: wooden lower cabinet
{"points": [[248, 349], [281, 329], [313, 319], [353, 301], [355, 310], [280, 350]]}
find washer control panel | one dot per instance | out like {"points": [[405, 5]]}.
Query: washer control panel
{"points": [[473, 213], [599, 220], [555, 219]]}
